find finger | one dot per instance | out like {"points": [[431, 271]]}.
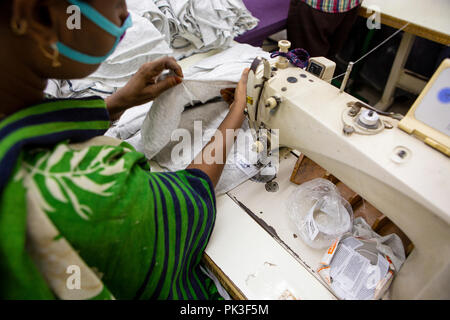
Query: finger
{"points": [[163, 85], [154, 68], [172, 64], [241, 89], [244, 76]]}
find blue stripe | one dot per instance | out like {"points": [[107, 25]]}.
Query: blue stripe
{"points": [[178, 228], [189, 244], [68, 115], [195, 182], [161, 280], [199, 192]]}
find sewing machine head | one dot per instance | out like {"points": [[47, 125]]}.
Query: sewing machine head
{"points": [[401, 176]]}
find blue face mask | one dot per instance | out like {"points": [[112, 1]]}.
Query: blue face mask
{"points": [[93, 15]]}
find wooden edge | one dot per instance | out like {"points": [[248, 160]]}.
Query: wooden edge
{"points": [[328, 176], [226, 282], [380, 223], [409, 249], [297, 167], [412, 28]]}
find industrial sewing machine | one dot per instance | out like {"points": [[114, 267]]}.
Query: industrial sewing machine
{"points": [[403, 177]]}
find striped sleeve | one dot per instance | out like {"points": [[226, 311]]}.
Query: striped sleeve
{"points": [[184, 208]]}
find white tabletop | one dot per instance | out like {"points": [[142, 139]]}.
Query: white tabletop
{"points": [[429, 14]]}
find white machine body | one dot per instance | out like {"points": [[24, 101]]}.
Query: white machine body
{"points": [[401, 176]]}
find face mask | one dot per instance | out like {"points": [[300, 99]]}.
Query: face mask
{"points": [[93, 15]]}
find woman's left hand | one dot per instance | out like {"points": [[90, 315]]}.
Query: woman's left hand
{"points": [[144, 85]]}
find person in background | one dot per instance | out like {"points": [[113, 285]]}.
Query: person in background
{"points": [[81, 215], [321, 26]]}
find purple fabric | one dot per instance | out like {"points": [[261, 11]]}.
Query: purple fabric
{"points": [[298, 57], [272, 15]]}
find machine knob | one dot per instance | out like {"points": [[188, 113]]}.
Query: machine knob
{"points": [[369, 118], [284, 46], [272, 102]]}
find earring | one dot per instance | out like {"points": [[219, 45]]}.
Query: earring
{"points": [[19, 27], [52, 56]]}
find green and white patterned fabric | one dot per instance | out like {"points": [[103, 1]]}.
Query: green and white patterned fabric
{"points": [[82, 216]]}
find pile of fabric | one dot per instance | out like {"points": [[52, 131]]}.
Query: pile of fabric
{"points": [[177, 28], [152, 128], [205, 24]]}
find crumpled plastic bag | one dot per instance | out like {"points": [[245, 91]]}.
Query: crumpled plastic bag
{"points": [[361, 265], [390, 245], [319, 213]]}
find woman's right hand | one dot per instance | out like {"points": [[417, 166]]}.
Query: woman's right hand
{"points": [[240, 95], [145, 85], [222, 140], [237, 98]]}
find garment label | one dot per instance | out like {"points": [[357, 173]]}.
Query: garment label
{"points": [[244, 165]]}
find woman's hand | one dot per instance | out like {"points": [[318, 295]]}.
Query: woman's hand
{"points": [[144, 86], [237, 98], [222, 140]]}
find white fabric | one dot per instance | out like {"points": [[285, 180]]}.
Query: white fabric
{"points": [[211, 116], [142, 43], [390, 245], [129, 123], [159, 26], [226, 65], [149, 10], [190, 26], [202, 82], [216, 281], [165, 115], [206, 24]]}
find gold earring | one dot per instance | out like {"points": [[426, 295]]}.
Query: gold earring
{"points": [[52, 56], [19, 27]]}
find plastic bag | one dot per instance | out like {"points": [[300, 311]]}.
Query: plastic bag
{"points": [[319, 212], [356, 268]]}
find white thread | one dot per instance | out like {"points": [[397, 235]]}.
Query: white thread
{"points": [[387, 39]]}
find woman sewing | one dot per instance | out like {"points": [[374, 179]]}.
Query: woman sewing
{"points": [[81, 215]]}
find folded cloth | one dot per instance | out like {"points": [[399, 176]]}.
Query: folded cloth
{"points": [[129, 123], [77, 89], [150, 11], [206, 24], [226, 65]]}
